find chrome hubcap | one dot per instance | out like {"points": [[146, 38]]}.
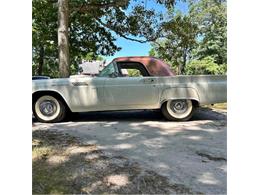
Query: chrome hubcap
{"points": [[48, 107], [179, 106]]}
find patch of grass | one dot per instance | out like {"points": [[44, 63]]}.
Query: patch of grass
{"points": [[41, 152], [62, 164], [49, 180], [50, 176]]}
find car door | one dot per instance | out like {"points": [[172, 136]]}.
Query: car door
{"points": [[87, 93], [130, 91]]}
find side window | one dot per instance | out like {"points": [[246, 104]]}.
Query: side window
{"points": [[131, 73], [108, 70], [132, 69]]}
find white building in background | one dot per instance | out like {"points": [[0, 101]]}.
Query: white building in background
{"points": [[91, 68]]}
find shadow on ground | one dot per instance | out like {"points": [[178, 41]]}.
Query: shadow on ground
{"points": [[185, 157], [63, 164], [143, 115], [140, 115]]}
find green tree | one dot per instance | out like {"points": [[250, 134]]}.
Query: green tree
{"points": [[92, 28], [199, 34], [86, 35], [178, 40], [211, 18], [205, 66], [44, 37]]}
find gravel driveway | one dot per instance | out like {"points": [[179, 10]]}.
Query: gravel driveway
{"points": [[191, 153]]}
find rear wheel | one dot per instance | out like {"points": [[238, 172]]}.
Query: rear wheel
{"points": [[49, 109], [178, 110]]}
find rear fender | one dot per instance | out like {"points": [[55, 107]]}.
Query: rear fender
{"points": [[175, 93]]}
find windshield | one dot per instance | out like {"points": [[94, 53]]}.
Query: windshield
{"points": [[108, 70]]}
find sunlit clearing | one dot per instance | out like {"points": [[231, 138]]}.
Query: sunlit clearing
{"points": [[55, 160], [208, 178], [91, 156], [123, 146], [80, 149], [117, 180]]}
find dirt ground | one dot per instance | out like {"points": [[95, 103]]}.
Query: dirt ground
{"points": [[131, 152]]}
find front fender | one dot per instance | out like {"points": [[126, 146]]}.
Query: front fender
{"points": [[179, 93], [51, 92]]}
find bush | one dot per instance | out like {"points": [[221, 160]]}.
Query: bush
{"points": [[133, 73], [205, 66]]}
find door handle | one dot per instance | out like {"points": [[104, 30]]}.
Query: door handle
{"points": [[80, 83], [150, 80]]}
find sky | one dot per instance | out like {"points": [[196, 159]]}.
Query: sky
{"points": [[132, 48]]}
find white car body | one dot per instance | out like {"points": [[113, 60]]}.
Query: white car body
{"points": [[111, 90], [83, 94]]}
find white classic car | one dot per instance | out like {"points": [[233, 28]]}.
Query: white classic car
{"points": [[154, 86]]}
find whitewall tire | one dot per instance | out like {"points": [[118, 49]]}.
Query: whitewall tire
{"points": [[49, 109], [178, 110]]}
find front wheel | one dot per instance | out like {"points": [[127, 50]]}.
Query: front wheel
{"points": [[49, 109], [178, 110]]}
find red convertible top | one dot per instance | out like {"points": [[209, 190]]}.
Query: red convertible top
{"points": [[154, 66]]}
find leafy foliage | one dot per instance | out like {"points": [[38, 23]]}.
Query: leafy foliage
{"points": [[93, 27], [86, 36], [133, 73], [44, 37], [211, 18], [205, 66], [192, 38], [95, 24], [179, 38]]}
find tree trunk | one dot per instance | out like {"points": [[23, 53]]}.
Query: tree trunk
{"points": [[63, 41], [184, 60], [179, 69], [41, 61]]}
